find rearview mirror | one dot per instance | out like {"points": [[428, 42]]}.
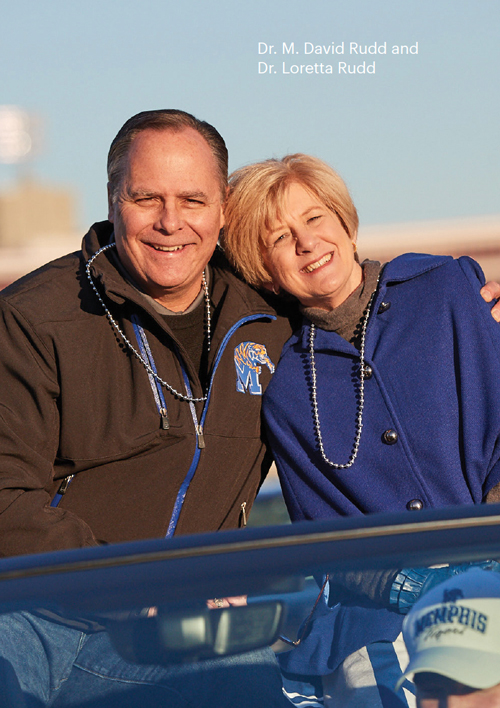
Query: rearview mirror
{"points": [[177, 636]]}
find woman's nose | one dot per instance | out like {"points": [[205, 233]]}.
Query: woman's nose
{"points": [[304, 241]]}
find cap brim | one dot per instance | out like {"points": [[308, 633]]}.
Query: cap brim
{"points": [[478, 669]]}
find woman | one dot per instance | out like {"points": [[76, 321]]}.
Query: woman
{"points": [[386, 399]]}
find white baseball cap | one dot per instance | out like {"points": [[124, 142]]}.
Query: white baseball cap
{"points": [[454, 630]]}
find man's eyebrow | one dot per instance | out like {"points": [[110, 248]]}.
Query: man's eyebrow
{"points": [[192, 195], [134, 193]]}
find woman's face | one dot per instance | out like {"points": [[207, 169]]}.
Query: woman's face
{"points": [[309, 254]]}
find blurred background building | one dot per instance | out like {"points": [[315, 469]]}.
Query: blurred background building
{"points": [[37, 224], [477, 237], [37, 220]]}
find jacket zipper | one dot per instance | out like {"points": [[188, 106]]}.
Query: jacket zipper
{"points": [[243, 508], [181, 495], [63, 487]]}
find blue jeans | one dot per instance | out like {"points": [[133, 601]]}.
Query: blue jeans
{"points": [[43, 663]]}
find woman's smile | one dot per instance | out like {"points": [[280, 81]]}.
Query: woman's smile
{"points": [[314, 266]]}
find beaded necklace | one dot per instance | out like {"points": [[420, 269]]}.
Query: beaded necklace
{"points": [[314, 395], [122, 335]]}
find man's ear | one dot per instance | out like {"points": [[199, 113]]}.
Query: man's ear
{"points": [[110, 204], [223, 206], [223, 211]]}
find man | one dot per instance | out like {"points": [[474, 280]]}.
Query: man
{"points": [[453, 639], [132, 380], [132, 375]]}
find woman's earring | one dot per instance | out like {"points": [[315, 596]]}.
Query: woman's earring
{"points": [[276, 290]]}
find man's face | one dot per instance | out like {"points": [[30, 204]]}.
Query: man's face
{"points": [[436, 691], [168, 214]]}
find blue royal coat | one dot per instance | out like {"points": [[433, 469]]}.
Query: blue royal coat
{"points": [[434, 352]]}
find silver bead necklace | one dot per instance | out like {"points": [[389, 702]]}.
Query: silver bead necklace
{"points": [[359, 416], [129, 344]]}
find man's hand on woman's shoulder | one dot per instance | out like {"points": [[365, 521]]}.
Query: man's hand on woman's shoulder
{"points": [[491, 291]]}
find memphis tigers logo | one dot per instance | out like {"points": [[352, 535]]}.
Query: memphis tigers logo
{"points": [[248, 357]]}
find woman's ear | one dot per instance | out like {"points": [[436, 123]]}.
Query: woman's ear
{"points": [[271, 287], [355, 249]]}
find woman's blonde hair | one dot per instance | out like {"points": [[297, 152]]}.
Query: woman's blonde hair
{"points": [[256, 200]]}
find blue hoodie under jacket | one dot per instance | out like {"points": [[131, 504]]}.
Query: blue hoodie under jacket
{"points": [[434, 350]]}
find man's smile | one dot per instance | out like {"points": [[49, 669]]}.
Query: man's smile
{"points": [[167, 249]]}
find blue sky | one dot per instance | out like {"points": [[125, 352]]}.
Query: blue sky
{"points": [[417, 139]]}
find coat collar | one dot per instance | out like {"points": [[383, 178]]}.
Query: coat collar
{"points": [[400, 269], [410, 265]]}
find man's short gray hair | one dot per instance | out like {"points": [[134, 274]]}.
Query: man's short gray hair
{"points": [[163, 119]]}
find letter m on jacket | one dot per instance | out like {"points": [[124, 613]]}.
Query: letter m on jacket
{"points": [[248, 357]]}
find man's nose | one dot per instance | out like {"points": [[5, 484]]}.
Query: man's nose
{"points": [[169, 218]]}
